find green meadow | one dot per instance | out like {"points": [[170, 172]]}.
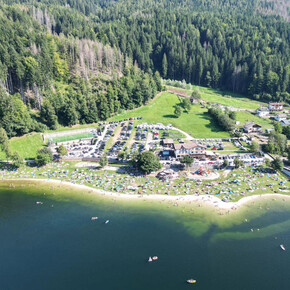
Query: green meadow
{"points": [[26, 145], [161, 110], [224, 98]]}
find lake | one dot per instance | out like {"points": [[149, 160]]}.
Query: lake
{"points": [[55, 245]]}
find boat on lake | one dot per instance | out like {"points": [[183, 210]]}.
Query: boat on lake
{"points": [[107, 221], [283, 247], [93, 218], [155, 258], [150, 259], [191, 281]]}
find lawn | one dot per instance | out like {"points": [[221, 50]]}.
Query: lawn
{"points": [[72, 137], [225, 98], [161, 110], [26, 145], [75, 127], [244, 117]]}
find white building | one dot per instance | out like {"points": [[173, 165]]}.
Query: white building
{"points": [[280, 117], [191, 149], [275, 106]]}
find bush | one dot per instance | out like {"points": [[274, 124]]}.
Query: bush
{"points": [[43, 156]]}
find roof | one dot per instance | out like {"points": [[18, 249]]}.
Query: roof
{"points": [[187, 146], [168, 141], [276, 104], [286, 122], [251, 124]]}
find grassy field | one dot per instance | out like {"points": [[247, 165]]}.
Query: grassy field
{"points": [[244, 117], [26, 146], [161, 110], [225, 98], [75, 127], [231, 187], [72, 137]]}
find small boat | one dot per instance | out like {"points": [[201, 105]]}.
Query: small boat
{"points": [[282, 247], [191, 281], [155, 258], [93, 218], [107, 221], [150, 259], [39, 202]]}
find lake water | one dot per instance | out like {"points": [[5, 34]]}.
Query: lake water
{"points": [[56, 246]]}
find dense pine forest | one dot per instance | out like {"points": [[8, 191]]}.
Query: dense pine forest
{"points": [[67, 62]]}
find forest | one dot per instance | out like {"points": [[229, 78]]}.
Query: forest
{"points": [[67, 62]]}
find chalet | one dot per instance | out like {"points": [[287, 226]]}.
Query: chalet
{"points": [[252, 127], [169, 143], [275, 106], [285, 122], [192, 149], [263, 112], [280, 117]]}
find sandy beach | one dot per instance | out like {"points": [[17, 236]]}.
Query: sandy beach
{"points": [[206, 199]]}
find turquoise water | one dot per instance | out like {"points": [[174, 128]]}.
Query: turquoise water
{"points": [[59, 247]]}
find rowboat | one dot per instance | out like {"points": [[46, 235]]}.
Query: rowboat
{"points": [[155, 258], [93, 218], [282, 247], [191, 281]]}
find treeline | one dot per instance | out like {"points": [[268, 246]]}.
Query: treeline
{"points": [[225, 119], [69, 80], [239, 51], [64, 56]]}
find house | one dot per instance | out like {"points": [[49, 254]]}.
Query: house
{"points": [[285, 122], [169, 143], [252, 127], [263, 112], [280, 117], [275, 106], [192, 149]]}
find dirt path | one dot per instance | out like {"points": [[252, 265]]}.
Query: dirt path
{"points": [[187, 136]]}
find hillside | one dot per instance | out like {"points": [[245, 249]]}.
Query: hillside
{"points": [[78, 62]]}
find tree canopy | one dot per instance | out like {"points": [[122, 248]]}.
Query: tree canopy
{"points": [[148, 162]]}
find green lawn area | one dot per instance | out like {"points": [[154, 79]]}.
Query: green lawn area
{"points": [[161, 110], [72, 137], [26, 146], [225, 98], [245, 117], [75, 127]]}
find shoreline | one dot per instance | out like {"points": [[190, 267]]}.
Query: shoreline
{"points": [[206, 199]]}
